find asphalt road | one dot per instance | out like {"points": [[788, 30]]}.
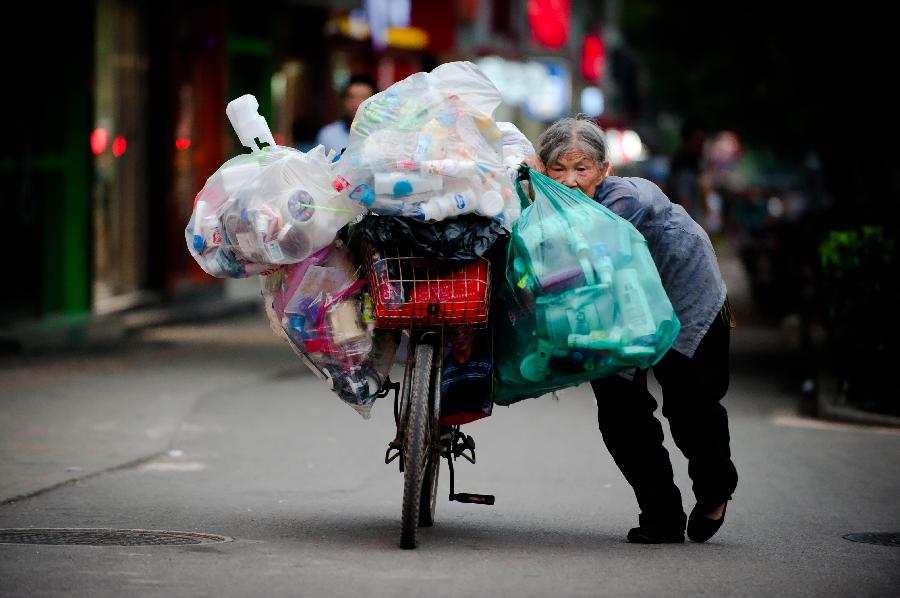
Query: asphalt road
{"points": [[263, 454]]}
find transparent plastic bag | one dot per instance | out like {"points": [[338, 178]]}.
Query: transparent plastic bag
{"points": [[428, 148], [323, 311], [583, 298], [272, 207], [516, 147], [275, 212]]}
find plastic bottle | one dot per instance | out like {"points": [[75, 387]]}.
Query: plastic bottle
{"points": [[488, 204], [434, 209], [486, 126], [206, 232], [237, 174], [233, 177], [454, 168], [582, 250], [293, 242], [266, 224], [406, 166], [401, 184], [251, 128], [294, 324], [602, 263], [388, 205], [633, 305], [215, 263], [534, 367], [491, 204], [306, 230], [596, 340], [363, 194]]}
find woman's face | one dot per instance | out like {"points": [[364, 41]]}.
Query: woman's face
{"points": [[577, 170]]}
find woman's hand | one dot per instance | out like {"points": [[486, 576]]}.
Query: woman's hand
{"points": [[534, 163]]}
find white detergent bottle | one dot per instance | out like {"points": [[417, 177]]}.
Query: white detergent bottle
{"points": [[460, 198], [251, 128], [253, 132]]}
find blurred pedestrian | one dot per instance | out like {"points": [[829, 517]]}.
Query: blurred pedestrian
{"points": [[685, 184], [335, 136], [693, 374]]}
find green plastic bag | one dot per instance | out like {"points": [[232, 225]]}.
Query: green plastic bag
{"points": [[582, 297]]}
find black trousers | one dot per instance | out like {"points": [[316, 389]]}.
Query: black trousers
{"points": [[692, 388]]}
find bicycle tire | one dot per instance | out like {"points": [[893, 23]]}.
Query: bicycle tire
{"points": [[429, 491], [416, 445], [428, 507]]}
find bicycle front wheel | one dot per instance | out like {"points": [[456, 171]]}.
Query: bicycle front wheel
{"points": [[416, 445]]}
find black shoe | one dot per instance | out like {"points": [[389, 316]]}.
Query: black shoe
{"points": [[701, 528], [648, 535]]}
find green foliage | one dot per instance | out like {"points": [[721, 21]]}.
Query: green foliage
{"points": [[859, 269], [860, 294]]}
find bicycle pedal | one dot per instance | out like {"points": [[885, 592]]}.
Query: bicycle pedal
{"points": [[478, 499], [465, 443]]}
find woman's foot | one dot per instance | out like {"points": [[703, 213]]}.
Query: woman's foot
{"points": [[704, 522], [658, 530], [646, 535]]}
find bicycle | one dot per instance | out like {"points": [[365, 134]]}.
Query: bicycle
{"points": [[424, 297]]}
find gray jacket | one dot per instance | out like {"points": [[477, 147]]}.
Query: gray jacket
{"points": [[680, 248]]}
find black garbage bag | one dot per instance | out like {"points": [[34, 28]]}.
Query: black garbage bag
{"points": [[462, 239]]}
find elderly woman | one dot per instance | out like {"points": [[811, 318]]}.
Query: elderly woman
{"points": [[693, 374]]}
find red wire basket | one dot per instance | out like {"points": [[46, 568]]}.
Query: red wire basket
{"points": [[415, 292]]}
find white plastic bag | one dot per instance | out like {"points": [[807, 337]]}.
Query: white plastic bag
{"points": [[273, 206], [428, 148], [516, 147]]}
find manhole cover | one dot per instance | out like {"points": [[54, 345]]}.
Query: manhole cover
{"points": [[882, 539], [105, 537]]}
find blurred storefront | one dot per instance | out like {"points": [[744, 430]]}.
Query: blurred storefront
{"points": [[121, 117], [45, 167]]}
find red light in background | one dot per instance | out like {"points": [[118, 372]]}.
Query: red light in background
{"points": [[550, 22], [182, 143], [118, 146], [279, 139], [99, 139], [592, 58]]}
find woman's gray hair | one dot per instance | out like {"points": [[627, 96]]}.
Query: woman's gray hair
{"points": [[567, 134]]}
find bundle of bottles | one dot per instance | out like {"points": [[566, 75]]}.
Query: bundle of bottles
{"points": [[427, 149]]}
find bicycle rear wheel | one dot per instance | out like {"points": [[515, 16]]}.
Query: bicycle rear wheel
{"points": [[416, 445], [428, 505]]}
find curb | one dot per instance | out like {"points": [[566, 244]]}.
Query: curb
{"points": [[62, 332], [193, 312], [831, 405], [87, 331]]}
